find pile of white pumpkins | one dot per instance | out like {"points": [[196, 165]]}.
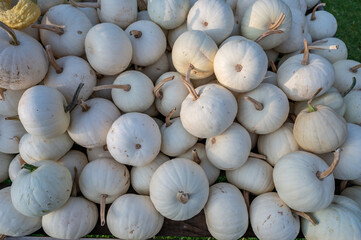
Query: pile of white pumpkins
{"points": [[105, 75]]}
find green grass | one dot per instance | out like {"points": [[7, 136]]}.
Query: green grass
{"points": [[348, 18]]}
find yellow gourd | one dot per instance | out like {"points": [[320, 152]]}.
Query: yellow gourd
{"points": [[21, 15]]}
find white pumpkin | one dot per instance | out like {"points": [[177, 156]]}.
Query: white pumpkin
{"points": [[14, 167], [104, 43], [134, 217], [332, 55], [353, 193], [146, 37], [352, 103], [214, 17], [18, 70], [241, 8], [230, 149], [11, 131], [140, 176], [173, 34], [92, 14], [271, 78], [155, 70], [321, 24], [254, 176], [304, 174], [272, 219], [36, 148], [311, 3], [345, 71], [240, 65], [98, 152], [5, 160], [278, 143], [91, 121], [41, 188], [152, 111], [226, 212], [134, 139], [12, 222], [9, 102], [74, 159], [179, 189], [263, 110]]}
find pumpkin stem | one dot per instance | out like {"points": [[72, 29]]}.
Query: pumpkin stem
{"points": [[278, 23], [73, 102], [306, 53], [182, 197], [16, 138], [355, 68], [188, 84], [343, 185], [313, 16], [125, 87], [156, 91], [256, 155], [142, 5], [21, 161], [2, 90], [105, 147], [13, 39], [246, 198], [331, 47], [329, 170], [238, 67], [167, 119], [268, 33], [2, 236], [85, 4], [74, 190], [135, 33], [306, 216], [103, 198], [257, 105], [29, 167], [52, 60], [53, 28], [292, 117], [16, 118], [272, 29], [273, 66], [351, 87], [196, 158], [310, 107], [84, 107]]}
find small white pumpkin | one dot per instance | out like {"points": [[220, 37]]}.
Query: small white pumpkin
{"points": [[226, 212], [345, 71], [352, 103], [332, 55], [271, 78], [14, 167], [9, 102], [5, 160], [155, 70], [321, 24], [74, 160], [98, 152], [11, 131], [92, 14], [175, 33], [353, 193], [134, 217], [242, 6], [179, 189]]}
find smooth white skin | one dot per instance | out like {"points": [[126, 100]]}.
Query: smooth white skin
{"points": [[343, 75], [254, 176], [121, 13], [140, 96], [75, 71], [211, 171], [18, 70], [106, 93], [303, 5], [44, 190], [236, 28], [158, 121], [9, 105], [226, 212], [33, 32], [97, 152], [353, 107], [271, 117], [174, 93], [104, 176], [148, 48], [324, 26], [5, 160], [143, 15], [155, 70], [14, 167], [293, 4], [208, 116], [175, 139], [74, 159], [257, 19], [44, 5], [332, 55], [89, 129], [278, 143], [140, 176], [104, 44], [353, 193], [152, 111], [92, 15], [300, 82], [321, 131], [12, 222], [272, 55], [41, 111], [252, 59], [311, 3], [134, 217], [242, 6], [175, 33], [76, 26], [168, 14], [196, 48], [35, 148], [298, 186], [213, 17], [340, 220], [230, 149], [270, 78], [349, 167], [75, 219], [176, 175], [272, 219], [127, 133], [10, 133]]}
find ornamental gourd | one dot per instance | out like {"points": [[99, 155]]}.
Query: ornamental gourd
{"points": [[333, 55], [9, 102], [345, 71], [321, 24], [98, 152], [74, 160], [15, 167], [11, 131], [155, 70]]}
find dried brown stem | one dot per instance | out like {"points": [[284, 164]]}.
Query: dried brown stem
{"points": [[196, 158], [329, 170], [246, 198], [306, 54], [13, 39], [16, 118], [16, 138], [125, 87], [268, 33], [74, 190], [135, 33], [2, 90], [278, 22], [182, 197], [2, 236], [272, 29], [355, 68], [56, 29], [102, 208], [168, 117], [306, 216], [188, 84], [52, 61], [84, 4], [257, 105], [331, 47], [273, 66], [21, 161], [256, 155], [84, 107], [343, 185], [313, 16], [156, 90]]}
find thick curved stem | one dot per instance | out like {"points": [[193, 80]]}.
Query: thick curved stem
{"points": [[278, 22], [256, 155], [182, 197], [52, 60], [306, 216], [156, 90], [84, 107], [257, 105], [56, 29], [273, 66], [196, 158], [29, 167], [125, 87], [272, 29], [331, 47], [85, 4], [187, 83], [306, 53], [21, 161], [73, 102], [351, 87], [135, 33], [2, 90], [330, 170], [310, 107], [313, 16], [355, 68], [2, 236], [102, 208], [11, 33], [343, 185], [16, 118], [246, 198], [168, 117], [268, 33], [74, 190]]}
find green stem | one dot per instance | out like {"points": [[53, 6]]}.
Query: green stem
{"points": [[310, 107], [29, 167], [352, 86], [11, 33], [75, 99]]}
